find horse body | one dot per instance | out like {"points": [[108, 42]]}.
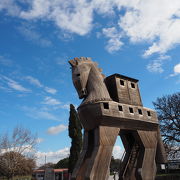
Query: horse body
{"points": [[103, 121]]}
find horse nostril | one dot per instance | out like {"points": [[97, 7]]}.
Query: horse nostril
{"points": [[83, 91]]}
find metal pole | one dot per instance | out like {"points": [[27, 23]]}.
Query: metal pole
{"points": [[62, 176], [45, 161]]}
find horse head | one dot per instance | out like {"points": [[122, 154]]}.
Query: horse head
{"points": [[88, 80], [80, 72]]}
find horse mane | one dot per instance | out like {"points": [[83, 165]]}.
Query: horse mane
{"points": [[77, 61]]}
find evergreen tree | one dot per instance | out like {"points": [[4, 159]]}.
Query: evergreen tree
{"points": [[76, 138], [63, 163]]}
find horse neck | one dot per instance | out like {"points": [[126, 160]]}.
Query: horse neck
{"points": [[96, 88]]}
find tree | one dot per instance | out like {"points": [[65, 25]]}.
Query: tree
{"points": [[17, 153], [14, 163], [63, 163], [168, 110], [76, 135], [47, 165]]}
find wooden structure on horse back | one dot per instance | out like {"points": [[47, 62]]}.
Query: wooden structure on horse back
{"points": [[112, 107]]}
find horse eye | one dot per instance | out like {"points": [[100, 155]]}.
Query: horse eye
{"points": [[78, 75]]}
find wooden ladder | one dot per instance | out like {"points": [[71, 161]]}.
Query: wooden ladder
{"points": [[131, 162]]}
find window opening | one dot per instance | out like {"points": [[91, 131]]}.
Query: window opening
{"points": [[121, 82], [140, 111], [120, 108], [132, 85], [131, 110], [148, 113], [106, 105]]}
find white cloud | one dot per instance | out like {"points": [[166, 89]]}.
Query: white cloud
{"points": [[38, 113], [54, 104], [10, 6], [34, 81], [15, 85], [145, 20], [154, 21], [50, 90], [46, 115], [176, 70], [39, 140], [61, 60], [156, 65], [37, 83], [117, 152], [5, 61], [27, 149], [65, 14], [54, 157], [29, 32], [114, 42], [105, 7], [37, 9], [5, 89], [56, 129], [51, 101], [51, 156], [65, 106]]}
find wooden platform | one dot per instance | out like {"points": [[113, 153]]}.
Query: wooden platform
{"points": [[113, 114]]}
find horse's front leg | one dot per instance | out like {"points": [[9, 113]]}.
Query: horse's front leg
{"points": [[79, 172], [98, 164], [94, 160]]}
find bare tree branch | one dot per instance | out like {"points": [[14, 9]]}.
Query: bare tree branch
{"points": [[168, 109], [17, 152]]}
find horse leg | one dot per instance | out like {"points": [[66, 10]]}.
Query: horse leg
{"points": [[160, 152], [128, 141], [133, 156], [149, 141], [98, 164], [78, 169]]}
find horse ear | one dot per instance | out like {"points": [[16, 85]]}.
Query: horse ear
{"points": [[103, 76], [100, 70], [77, 60], [96, 64], [72, 63]]}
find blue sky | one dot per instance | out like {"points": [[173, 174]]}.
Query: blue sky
{"points": [[137, 38]]}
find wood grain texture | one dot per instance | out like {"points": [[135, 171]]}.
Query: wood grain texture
{"points": [[95, 158], [112, 106]]}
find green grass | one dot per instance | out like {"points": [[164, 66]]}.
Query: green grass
{"points": [[175, 174], [18, 178]]}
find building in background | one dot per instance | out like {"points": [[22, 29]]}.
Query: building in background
{"points": [[50, 174]]}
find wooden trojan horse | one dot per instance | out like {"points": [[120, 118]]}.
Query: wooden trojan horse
{"points": [[112, 106]]}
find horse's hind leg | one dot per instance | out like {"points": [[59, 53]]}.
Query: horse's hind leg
{"points": [[149, 141], [160, 151], [99, 161]]}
